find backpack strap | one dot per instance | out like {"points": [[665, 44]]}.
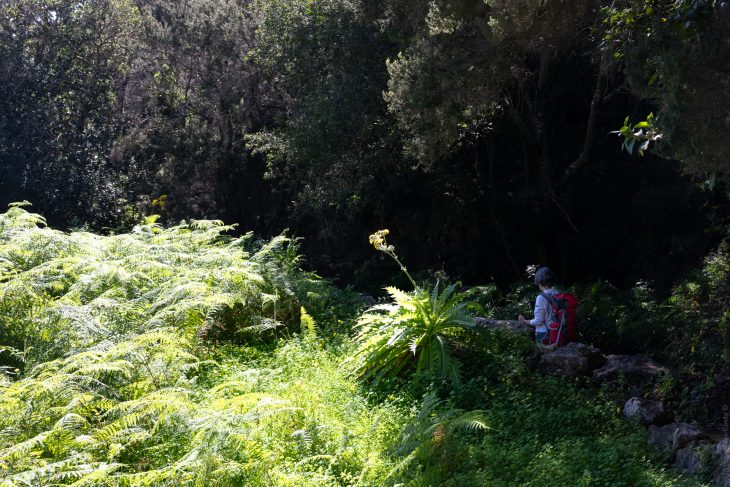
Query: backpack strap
{"points": [[552, 302], [555, 306]]}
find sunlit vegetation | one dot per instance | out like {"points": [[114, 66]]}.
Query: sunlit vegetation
{"points": [[182, 356], [145, 342], [112, 382]]}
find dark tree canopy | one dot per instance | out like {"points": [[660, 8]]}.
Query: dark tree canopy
{"points": [[63, 68], [480, 130]]}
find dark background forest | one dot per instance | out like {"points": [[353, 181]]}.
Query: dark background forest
{"points": [[478, 131]]}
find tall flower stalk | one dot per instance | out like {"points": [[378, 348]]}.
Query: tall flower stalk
{"points": [[413, 332], [378, 240]]}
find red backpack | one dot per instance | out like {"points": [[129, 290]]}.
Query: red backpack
{"points": [[562, 327]]}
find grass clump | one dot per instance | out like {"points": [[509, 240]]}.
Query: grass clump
{"points": [[537, 431]]}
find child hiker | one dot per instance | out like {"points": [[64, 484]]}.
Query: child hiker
{"points": [[544, 315]]}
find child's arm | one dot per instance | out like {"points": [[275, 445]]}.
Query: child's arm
{"points": [[540, 313]]}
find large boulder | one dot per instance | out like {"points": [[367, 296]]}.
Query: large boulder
{"points": [[646, 411], [635, 371], [693, 458], [721, 458], [514, 326], [571, 360], [673, 436]]}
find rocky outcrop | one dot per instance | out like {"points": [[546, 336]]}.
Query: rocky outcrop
{"points": [[646, 411], [673, 436], [721, 459], [514, 326], [571, 360], [693, 458], [637, 372]]}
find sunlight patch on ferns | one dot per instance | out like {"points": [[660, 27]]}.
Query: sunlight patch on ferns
{"points": [[63, 293], [105, 329]]}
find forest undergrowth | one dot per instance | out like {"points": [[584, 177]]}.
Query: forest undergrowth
{"points": [[182, 356]]}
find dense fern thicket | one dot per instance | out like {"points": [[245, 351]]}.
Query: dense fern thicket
{"points": [[103, 358], [179, 356], [65, 292]]}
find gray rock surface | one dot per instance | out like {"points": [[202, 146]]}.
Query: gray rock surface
{"points": [[635, 371], [519, 327], [572, 360], [721, 459], [722, 449], [646, 411], [693, 458], [684, 434], [673, 436]]}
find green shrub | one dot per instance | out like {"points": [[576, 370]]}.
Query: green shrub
{"points": [[626, 321], [412, 332], [519, 300], [700, 332], [541, 431], [107, 329], [691, 328], [61, 293]]}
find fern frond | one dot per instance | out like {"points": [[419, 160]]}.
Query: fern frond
{"points": [[472, 420], [24, 448]]}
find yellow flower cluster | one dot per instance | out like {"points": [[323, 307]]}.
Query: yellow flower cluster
{"points": [[377, 240]]}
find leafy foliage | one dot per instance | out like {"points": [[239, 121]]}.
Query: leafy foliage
{"points": [[630, 321], [106, 328], [426, 434], [111, 380], [69, 292], [671, 52], [546, 432], [193, 96], [535, 430], [644, 133], [700, 333], [331, 140], [413, 330], [61, 67], [454, 76]]}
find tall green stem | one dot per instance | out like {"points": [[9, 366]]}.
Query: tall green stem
{"points": [[403, 268]]}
